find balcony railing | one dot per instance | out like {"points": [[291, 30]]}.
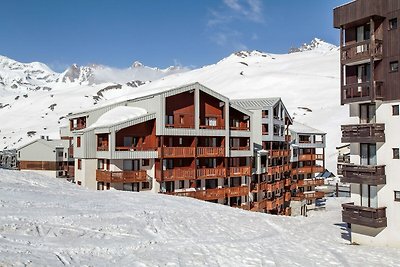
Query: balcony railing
{"points": [[177, 152], [361, 51], [176, 174], [134, 148], [239, 128], [211, 151], [280, 153], [370, 217], [240, 171], [215, 193], [307, 169], [121, 176], [240, 148], [308, 196], [203, 173], [363, 133], [310, 182], [364, 174], [306, 157], [360, 92], [237, 191]]}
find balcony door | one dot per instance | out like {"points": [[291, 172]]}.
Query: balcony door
{"points": [[368, 154], [131, 165], [367, 113], [363, 73], [369, 195], [363, 34]]}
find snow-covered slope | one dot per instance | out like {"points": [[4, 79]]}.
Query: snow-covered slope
{"points": [[307, 81], [49, 222]]}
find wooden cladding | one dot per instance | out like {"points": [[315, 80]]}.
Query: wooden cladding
{"points": [[307, 169], [365, 91], [370, 217], [121, 176], [361, 174], [360, 52], [308, 157], [240, 171], [180, 120], [177, 174], [215, 193], [279, 153], [39, 165], [211, 173], [363, 133], [310, 182], [177, 152], [210, 151]]}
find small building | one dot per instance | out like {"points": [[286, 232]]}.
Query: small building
{"points": [[46, 156]]}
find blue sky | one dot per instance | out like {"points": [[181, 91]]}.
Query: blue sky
{"points": [[157, 32]]}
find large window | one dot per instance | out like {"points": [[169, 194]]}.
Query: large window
{"points": [[368, 154]]}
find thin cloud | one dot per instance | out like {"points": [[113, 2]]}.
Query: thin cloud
{"points": [[222, 22]]}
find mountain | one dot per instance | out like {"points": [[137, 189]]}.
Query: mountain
{"points": [[307, 81], [315, 44]]}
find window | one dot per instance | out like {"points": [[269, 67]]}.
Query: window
{"points": [[396, 195], [60, 154], [181, 184], [145, 162], [396, 154], [393, 24], [394, 66], [395, 110], [211, 121], [79, 164], [78, 141]]}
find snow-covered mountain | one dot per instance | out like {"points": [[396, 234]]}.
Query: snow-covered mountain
{"points": [[307, 81], [50, 222]]}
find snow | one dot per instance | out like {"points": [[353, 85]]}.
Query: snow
{"points": [[308, 79], [117, 115], [50, 222]]}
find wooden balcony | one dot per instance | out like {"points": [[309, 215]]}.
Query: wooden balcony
{"points": [[240, 148], [211, 152], [121, 176], [239, 128], [204, 173], [271, 205], [135, 148], [279, 153], [370, 217], [177, 152], [361, 52], [264, 186], [240, 171], [279, 201], [307, 169], [363, 133], [362, 92], [311, 157], [103, 147], [310, 182], [177, 174], [237, 191], [314, 195], [364, 174]]}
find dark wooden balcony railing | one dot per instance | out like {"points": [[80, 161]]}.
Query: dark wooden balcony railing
{"points": [[203, 173], [308, 157], [121, 176], [240, 171], [211, 151], [177, 152], [363, 133], [358, 92], [307, 169], [361, 51], [370, 217], [364, 174]]}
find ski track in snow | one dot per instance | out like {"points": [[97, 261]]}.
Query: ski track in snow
{"points": [[50, 222]]}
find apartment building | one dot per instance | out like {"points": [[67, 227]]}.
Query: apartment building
{"points": [[271, 186], [308, 159], [370, 78], [8, 159], [188, 141]]}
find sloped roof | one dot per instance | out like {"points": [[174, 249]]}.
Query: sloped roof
{"points": [[297, 127], [117, 115], [256, 103], [54, 143]]}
